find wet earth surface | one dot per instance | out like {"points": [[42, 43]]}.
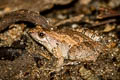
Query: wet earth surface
{"points": [[21, 57]]}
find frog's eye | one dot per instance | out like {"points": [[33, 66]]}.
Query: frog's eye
{"points": [[41, 34]]}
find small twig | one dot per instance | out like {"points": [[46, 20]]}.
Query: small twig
{"points": [[104, 22], [72, 19], [42, 54], [109, 15]]}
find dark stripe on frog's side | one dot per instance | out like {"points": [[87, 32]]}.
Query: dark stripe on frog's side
{"points": [[72, 34], [22, 15]]}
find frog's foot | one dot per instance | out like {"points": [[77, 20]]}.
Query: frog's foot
{"points": [[55, 68]]}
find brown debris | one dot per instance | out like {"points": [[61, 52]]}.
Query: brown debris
{"points": [[22, 15], [109, 28], [87, 74], [73, 19], [34, 5], [33, 61]]}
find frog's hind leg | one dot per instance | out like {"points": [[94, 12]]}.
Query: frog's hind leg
{"points": [[86, 51]]}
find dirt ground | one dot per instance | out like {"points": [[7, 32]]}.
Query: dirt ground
{"points": [[22, 58]]}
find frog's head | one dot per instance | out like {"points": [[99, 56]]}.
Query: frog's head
{"points": [[44, 38]]}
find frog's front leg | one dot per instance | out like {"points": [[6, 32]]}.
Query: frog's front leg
{"points": [[58, 54]]}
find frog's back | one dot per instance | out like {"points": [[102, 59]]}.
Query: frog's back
{"points": [[85, 48]]}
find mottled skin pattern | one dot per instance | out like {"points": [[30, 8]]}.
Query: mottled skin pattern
{"points": [[67, 44]]}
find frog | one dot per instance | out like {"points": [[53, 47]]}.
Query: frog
{"points": [[68, 44]]}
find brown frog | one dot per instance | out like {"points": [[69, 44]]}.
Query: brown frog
{"points": [[67, 44]]}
